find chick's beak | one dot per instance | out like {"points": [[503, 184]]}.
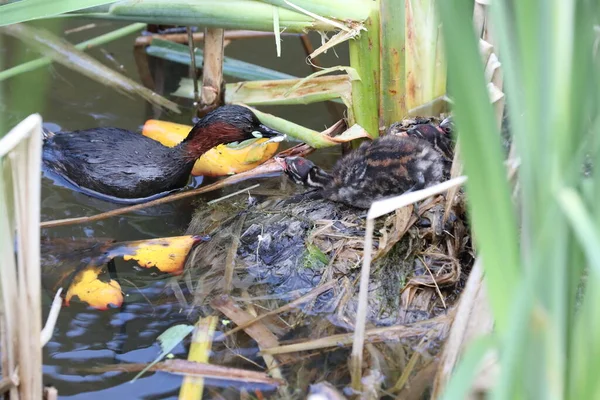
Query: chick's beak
{"points": [[447, 125], [281, 162]]}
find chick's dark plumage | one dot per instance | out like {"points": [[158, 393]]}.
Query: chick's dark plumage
{"points": [[388, 166]]}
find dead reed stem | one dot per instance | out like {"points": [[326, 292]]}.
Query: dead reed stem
{"points": [[316, 67], [473, 318], [9, 292], [21, 283], [361, 314], [371, 335], [193, 69], [212, 70]]}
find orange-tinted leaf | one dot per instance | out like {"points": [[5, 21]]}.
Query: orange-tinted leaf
{"points": [[219, 161], [91, 290], [228, 160], [166, 254], [167, 133]]}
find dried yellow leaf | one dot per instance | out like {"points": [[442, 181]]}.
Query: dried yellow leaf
{"points": [[219, 161], [166, 254], [91, 290]]}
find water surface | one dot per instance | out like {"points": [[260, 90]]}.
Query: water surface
{"points": [[85, 337]]}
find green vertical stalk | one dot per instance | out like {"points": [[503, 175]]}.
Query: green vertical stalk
{"points": [[425, 62], [364, 57], [495, 231], [392, 105], [3, 122]]}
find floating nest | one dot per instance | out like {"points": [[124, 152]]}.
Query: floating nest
{"points": [[297, 259]]}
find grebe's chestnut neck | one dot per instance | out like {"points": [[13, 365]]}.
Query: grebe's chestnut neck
{"points": [[225, 124]]}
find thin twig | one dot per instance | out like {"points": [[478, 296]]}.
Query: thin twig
{"points": [[199, 36], [378, 209], [185, 367], [234, 194], [140, 292], [437, 288]]}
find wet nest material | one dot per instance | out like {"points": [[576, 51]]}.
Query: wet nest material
{"points": [[297, 259]]}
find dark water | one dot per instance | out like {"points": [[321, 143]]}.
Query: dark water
{"points": [[85, 337]]}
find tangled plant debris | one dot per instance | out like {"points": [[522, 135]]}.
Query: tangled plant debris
{"points": [[289, 247]]}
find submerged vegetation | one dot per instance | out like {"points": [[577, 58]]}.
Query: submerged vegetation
{"points": [[488, 291]]}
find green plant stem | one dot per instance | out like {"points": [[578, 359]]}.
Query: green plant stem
{"points": [[364, 58], [492, 213], [88, 44], [25, 10], [356, 10], [392, 106], [425, 64], [228, 14], [312, 138]]}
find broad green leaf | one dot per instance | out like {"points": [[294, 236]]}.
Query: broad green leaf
{"points": [[168, 340], [492, 214], [26, 10]]}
